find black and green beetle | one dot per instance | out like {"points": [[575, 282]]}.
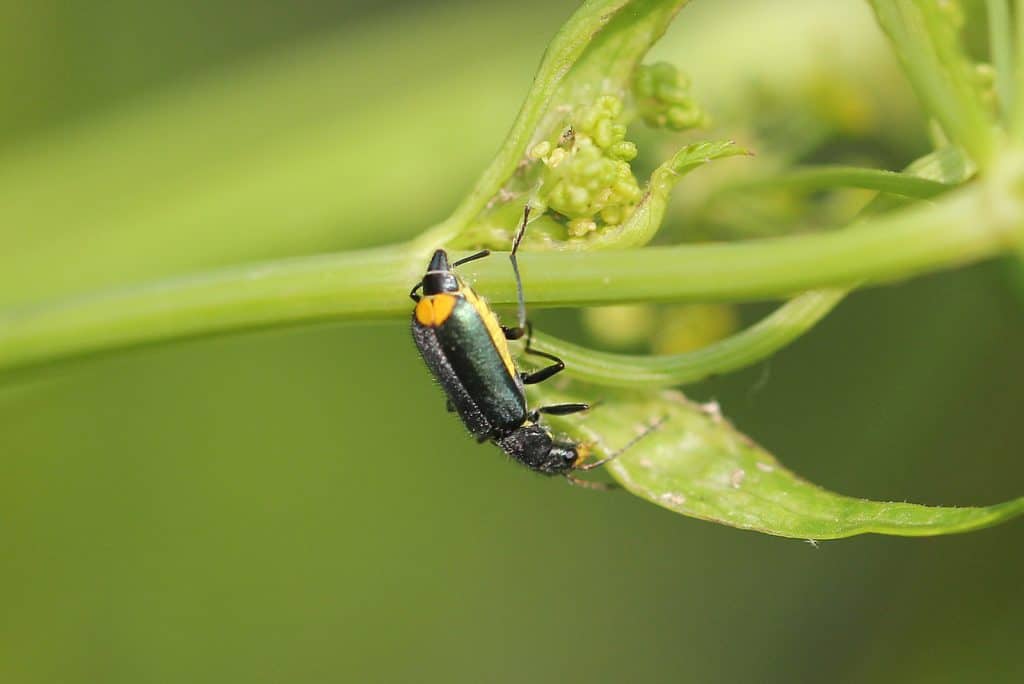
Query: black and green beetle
{"points": [[466, 348]]}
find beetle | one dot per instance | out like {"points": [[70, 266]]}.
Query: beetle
{"points": [[466, 348]]}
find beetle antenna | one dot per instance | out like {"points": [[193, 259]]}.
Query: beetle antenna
{"points": [[472, 257], [611, 457], [515, 266]]}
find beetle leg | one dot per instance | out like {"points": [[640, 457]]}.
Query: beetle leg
{"points": [[563, 409], [544, 373]]}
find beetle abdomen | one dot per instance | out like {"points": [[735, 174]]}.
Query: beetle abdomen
{"points": [[460, 352]]}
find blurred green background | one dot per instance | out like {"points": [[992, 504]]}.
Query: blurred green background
{"points": [[297, 505]]}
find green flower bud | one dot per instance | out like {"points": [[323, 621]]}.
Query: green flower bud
{"points": [[603, 133], [623, 326], [586, 177], [580, 226], [662, 71], [624, 150], [643, 82], [540, 150], [663, 98], [556, 157], [673, 94], [611, 105], [689, 327], [680, 118]]}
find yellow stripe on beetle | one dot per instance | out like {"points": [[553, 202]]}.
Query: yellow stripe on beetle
{"points": [[493, 329]]}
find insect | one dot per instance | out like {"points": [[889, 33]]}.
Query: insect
{"points": [[466, 348]]}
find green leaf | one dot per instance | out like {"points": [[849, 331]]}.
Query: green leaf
{"points": [[697, 464], [946, 165]]}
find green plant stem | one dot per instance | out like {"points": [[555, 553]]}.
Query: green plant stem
{"points": [[1017, 115], [757, 342], [1001, 51], [264, 159], [352, 285], [824, 177], [967, 225], [926, 44]]}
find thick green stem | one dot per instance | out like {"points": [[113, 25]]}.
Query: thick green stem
{"points": [[967, 225], [353, 285], [754, 344]]}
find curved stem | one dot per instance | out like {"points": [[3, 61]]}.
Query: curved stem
{"points": [[826, 177], [965, 226], [755, 343]]}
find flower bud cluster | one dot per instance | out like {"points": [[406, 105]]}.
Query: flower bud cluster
{"points": [[587, 177], [663, 98]]}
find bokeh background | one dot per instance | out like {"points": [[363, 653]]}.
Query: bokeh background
{"points": [[297, 505]]}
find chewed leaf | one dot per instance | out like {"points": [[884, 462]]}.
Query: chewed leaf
{"points": [[697, 464]]}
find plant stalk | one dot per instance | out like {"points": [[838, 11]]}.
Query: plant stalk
{"points": [[967, 225]]}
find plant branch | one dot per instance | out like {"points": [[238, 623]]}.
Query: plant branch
{"points": [[1001, 51], [1017, 116], [754, 344], [825, 177], [927, 46], [967, 225]]}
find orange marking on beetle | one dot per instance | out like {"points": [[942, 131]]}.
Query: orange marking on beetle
{"points": [[444, 304], [434, 310], [583, 452], [424, 311]]}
